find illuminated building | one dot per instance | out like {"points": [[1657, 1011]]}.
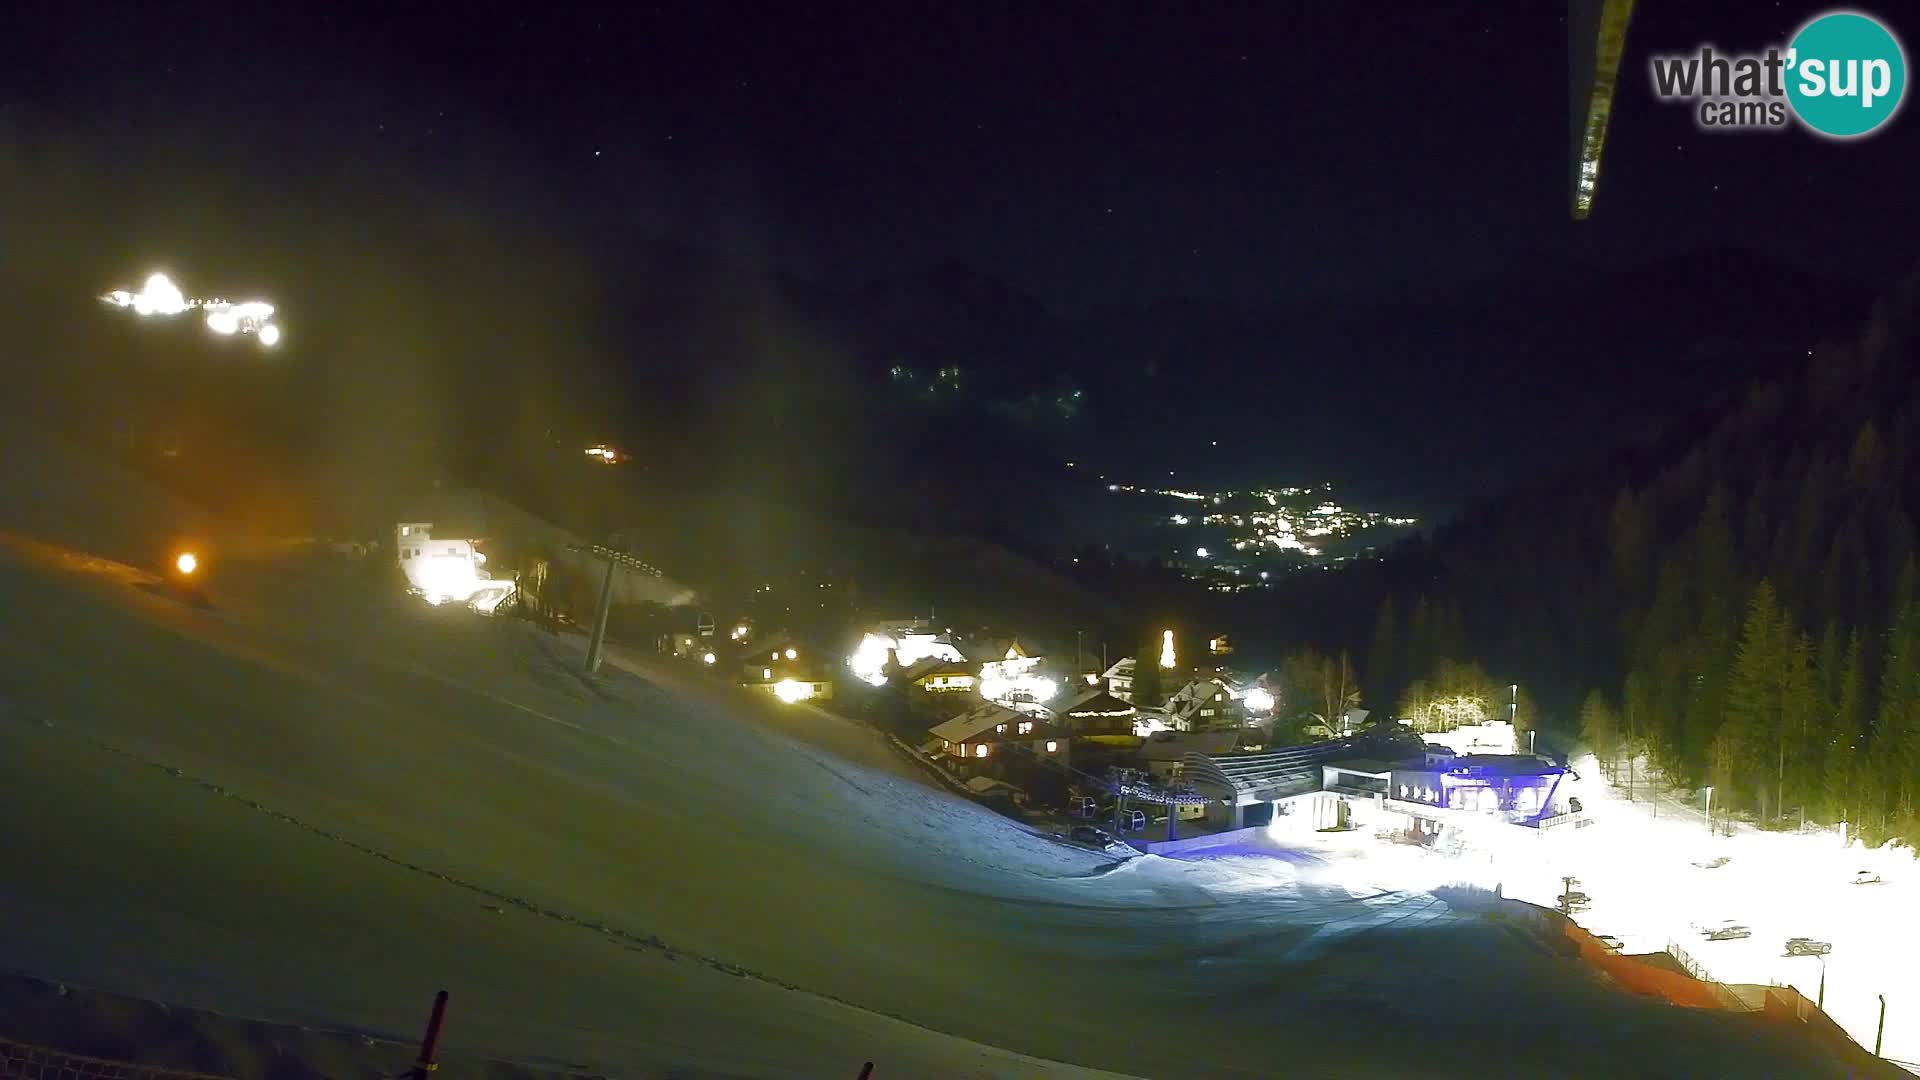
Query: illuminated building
{"points": [[909, 646], [1016, 678], [1201, 705], [938, 676], [1095, 712], [788, 668], [995, 737], [441, 571]]}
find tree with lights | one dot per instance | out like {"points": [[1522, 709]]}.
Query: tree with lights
{"points": [[1456, 694]]}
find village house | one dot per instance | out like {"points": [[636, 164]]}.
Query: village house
{"points": [[1203, 705], [1095, 712], [990, 732], [1119, 679], [787, 667], [936, 675]]}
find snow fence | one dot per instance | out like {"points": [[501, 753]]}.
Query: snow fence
{"points": [[19, 1061]]}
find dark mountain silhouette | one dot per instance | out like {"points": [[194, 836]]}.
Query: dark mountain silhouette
{"points": [[1428, 399], [1705, 579]]}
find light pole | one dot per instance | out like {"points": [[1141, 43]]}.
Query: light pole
{"points": [[1882, 1028], [1709, 809], [614, 559], [1821, 1002], [600, 612]]}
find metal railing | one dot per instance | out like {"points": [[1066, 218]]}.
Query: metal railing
{"points": [[1727, 999]]}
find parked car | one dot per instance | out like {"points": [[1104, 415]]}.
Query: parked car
{"points": [[1714, 863], [1609, 942], [1728, 932], [1866, 877], [1573, 900], [1800, 946]]}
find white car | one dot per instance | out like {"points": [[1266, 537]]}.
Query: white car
{"points": [[1866, 877]]}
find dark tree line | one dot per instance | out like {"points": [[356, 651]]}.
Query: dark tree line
{"points": [[1733, 595]]}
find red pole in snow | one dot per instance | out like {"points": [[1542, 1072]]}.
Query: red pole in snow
{"points": [[430, 1045]]}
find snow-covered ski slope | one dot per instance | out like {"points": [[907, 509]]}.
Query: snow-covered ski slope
{"points": [[318, 803]]}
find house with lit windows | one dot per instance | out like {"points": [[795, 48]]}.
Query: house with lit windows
{"points": [[1203, 705], [1018, 680], [787, 668], [1119, 678], [936, 675], [991, 736]]}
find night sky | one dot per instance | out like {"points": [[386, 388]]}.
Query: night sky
{"points": [[1257, 156]]}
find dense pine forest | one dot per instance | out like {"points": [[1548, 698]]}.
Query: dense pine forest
{"points": [[1734, 595]]}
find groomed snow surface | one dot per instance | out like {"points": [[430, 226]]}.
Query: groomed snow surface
{"points": [[1640, 866], [318, 803]]}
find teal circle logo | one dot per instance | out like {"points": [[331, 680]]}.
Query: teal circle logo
{"points": [[1846, 74]]}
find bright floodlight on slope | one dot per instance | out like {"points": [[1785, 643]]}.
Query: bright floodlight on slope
{"points": [[160, 296], [186, 563]]}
